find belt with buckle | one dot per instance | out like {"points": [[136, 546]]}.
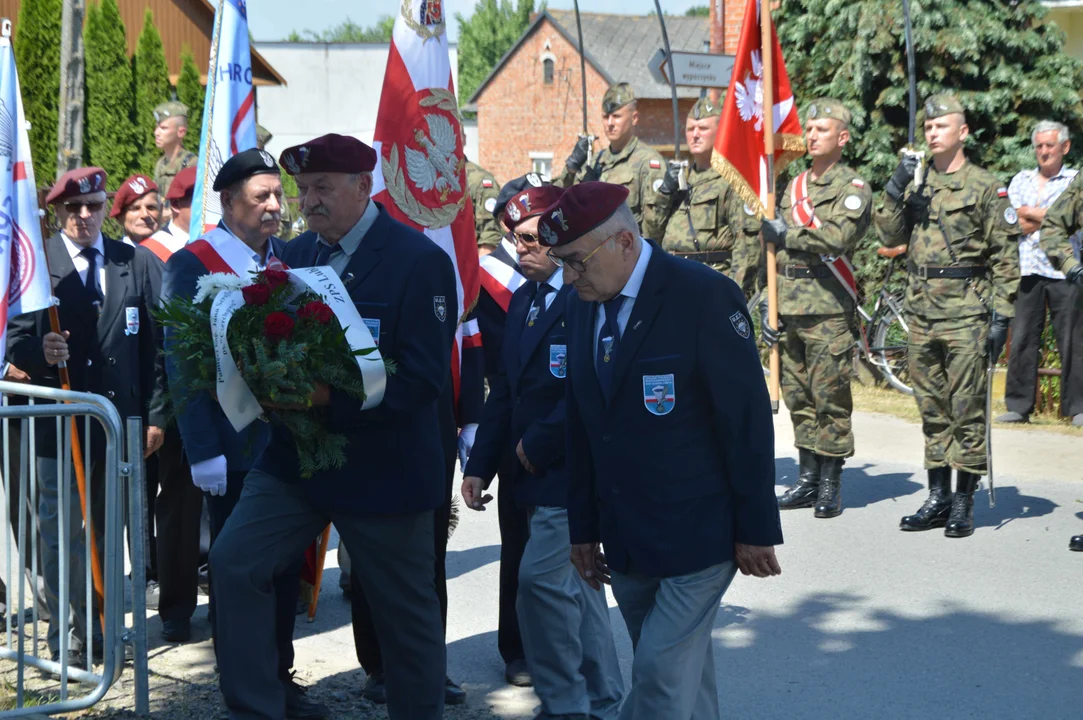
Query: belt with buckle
{"points": [[952, 272], [800, 272], [707, 257]]}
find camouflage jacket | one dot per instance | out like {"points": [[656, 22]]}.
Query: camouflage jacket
{"points": [[969, 209], [639, 168], [165, 171], [841, 211], [1063, 220], [483, 191]]}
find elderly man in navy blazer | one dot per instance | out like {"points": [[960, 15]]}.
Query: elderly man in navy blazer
{"points": [[564, 624], [382, 500], [670, 443]]}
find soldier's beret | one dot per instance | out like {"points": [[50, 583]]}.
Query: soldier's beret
{"points": [[829, 108], [512, 187], [704, 108], [263, 135], [244, 165], [131, 190], [942, 104], [170, 109], [183, 184], [529, 203], [329, 154], [73, 183], [617, 97], [580, 209]]}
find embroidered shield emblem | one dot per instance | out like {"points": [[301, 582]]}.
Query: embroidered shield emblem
{"points": [[131, 321], [659, 394], [558, 360], [373, 324], [740, 324], [439, 306]]}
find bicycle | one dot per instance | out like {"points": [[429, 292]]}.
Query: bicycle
{"points": [[883, 337]]}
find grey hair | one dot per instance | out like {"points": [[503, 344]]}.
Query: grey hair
{"points": [[622, 219], [1049, 126]]}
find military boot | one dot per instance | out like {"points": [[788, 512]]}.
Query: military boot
{"points": [[829, 499], [961, 522], [1076, 543], [803, 493], [936, 508]]}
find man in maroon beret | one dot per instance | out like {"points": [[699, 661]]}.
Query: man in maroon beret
{"points": [[174, 235], [109, 341], [138, 209], [670, 443]]}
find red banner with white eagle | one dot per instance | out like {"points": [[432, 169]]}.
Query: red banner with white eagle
{"points": [[421, 176], [739, 150]]}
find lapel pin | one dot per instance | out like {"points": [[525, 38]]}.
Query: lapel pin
{"points": [[636, 326]]}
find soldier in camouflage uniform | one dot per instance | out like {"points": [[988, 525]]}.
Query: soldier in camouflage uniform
{"points": [[707, 221], [626, 161], [1063, 220], [483, 189], [172, 120], [824, 212], [964, 273]]}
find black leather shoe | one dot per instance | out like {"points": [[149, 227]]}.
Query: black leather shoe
{"points": [[935, 510], [299, 706], [1076, 543], [961, 522], [375, 689], [453, 694], [176, 631], [829, 498], [517, 674], [802, 494]]}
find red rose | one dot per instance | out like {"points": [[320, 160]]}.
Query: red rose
{"points": [[256, 294], [318, 311], [277, 326], [275, 278]]}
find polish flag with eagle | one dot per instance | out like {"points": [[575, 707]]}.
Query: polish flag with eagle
{"points": [[421, 176]]}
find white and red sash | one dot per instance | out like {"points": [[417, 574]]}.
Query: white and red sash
{"points": [[499, 279], [804, 215]]}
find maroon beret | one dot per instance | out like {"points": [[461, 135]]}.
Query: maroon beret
{"points": [[579, 210], [131, 190], [81, 181], [182, 184], [329, 154], [529, 203]]}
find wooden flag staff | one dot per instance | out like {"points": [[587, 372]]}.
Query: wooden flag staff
{"points": [[767, 49]]}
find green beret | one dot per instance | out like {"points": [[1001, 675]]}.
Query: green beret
{"points": [[704, 108], [829, 108], [263, 135], [942, 104], [170, 109], [617, 97]]}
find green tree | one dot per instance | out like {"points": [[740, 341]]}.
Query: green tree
{"points": [[485, 36], [1003, 61], [348, 32], [698, 11], [191, 92], [152, 88], [37, 55], [112, 140]]}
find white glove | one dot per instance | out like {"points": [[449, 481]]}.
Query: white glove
{"points": [[466, 443], [210, 475]]}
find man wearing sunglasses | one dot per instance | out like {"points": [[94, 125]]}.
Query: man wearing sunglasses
{"points": [[109, 341], [682, 491]]}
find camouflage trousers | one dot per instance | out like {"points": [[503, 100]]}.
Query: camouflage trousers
{"points": [[817, 362], [947, 362]]}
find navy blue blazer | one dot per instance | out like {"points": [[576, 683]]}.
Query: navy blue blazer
{"points": [[405, 283], [526, 402], [678, 464], [205, 431]]}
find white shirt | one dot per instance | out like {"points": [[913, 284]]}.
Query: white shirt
{"points": [[351, 240], [172, 237], [1024, 190], [555, 281], [261, 263], [81, 263], [630, 292]]}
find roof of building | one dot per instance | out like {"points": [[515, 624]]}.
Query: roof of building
{"points": [[620, 46]]}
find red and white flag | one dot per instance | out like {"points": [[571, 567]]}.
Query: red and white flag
{"points": [[739, 151], [421, 176]]}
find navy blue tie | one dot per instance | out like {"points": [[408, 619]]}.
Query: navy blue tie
{"points": [[323, 257], [609, 344], [537, 308]]}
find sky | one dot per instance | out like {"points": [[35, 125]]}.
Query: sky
{"points": [[274, 19]]}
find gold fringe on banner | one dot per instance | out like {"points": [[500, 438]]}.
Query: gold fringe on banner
{"points": [[791, 146]]}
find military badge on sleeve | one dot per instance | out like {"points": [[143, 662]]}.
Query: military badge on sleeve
{"points": [[490, 204], [740, 324], [439, 306], [558, 360], [659, 395], [131, 321], [1010, 215]]}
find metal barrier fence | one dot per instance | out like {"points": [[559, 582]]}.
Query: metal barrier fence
{"points": [[33, 516]]}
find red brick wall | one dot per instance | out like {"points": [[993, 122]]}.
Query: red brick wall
{"points": [[726, 30]]}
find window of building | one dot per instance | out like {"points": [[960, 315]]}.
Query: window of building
{"points": [[547, 70], [542, 164]]}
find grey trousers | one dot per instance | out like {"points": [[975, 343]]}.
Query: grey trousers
{"points": [[670, 622], [392, 555], [565, 626]]}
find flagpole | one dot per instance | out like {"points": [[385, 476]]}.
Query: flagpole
{"points": [[767, 50]]}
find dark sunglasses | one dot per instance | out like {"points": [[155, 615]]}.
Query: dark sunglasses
{"points": [[76, 207], [526, 238]]}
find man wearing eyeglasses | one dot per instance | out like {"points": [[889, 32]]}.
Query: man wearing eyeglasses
{"points": [[646, 374], [109, 341]]}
